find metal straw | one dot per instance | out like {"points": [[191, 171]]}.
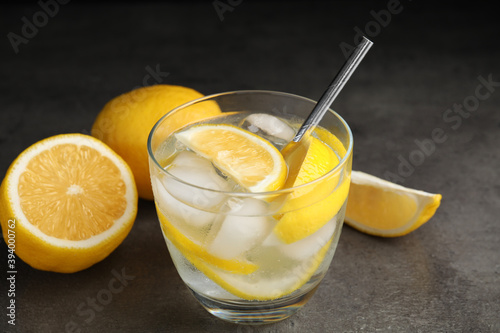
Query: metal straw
{"points": [[334, 88]]}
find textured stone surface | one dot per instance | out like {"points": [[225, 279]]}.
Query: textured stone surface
{"points": [[444, 277]]}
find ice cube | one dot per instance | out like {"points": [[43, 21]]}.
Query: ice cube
{"points": [[189, 159], [178, 210], [184, 201], [192, 277], [197, 171], [306, 247], [243, 227], [269, 125]]}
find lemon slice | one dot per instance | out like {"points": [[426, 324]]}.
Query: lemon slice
{"points": [[72, 201], [196, 253], [299, 224], [256, 287], [382, 208], [320, 159], [250, 160], [311, 207]]}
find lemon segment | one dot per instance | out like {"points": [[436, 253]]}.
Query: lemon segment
{"points": [[250, 160], [73, 201], [382, 208], [196, 253]]}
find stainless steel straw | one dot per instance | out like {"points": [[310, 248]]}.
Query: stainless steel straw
{"points": [[334, 88]]}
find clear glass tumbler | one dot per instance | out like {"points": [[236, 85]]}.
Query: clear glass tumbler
{"points": [[249, 258]]}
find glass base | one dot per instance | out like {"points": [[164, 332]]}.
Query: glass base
{"points": [[255, 313]]}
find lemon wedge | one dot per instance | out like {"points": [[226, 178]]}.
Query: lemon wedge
{"points": [[250, 160], [381, 208]]}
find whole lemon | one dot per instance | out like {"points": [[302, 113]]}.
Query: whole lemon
{"points": [[125, 122]]}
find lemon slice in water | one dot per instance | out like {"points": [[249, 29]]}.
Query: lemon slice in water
{"points": [[250, 160]]}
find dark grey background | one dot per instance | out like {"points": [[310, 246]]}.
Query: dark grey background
{"points": [[444, 277]]}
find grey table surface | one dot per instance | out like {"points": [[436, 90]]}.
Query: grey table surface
{"points": [[423, 107]]}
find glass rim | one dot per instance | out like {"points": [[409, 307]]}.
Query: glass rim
{"points": [[336, 169]]}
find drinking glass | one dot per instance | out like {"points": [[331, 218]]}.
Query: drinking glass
{"points": [[224, 243]]}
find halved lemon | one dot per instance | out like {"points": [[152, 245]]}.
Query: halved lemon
{"points": [[381, 208], [250, 160], [70, 200]]}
